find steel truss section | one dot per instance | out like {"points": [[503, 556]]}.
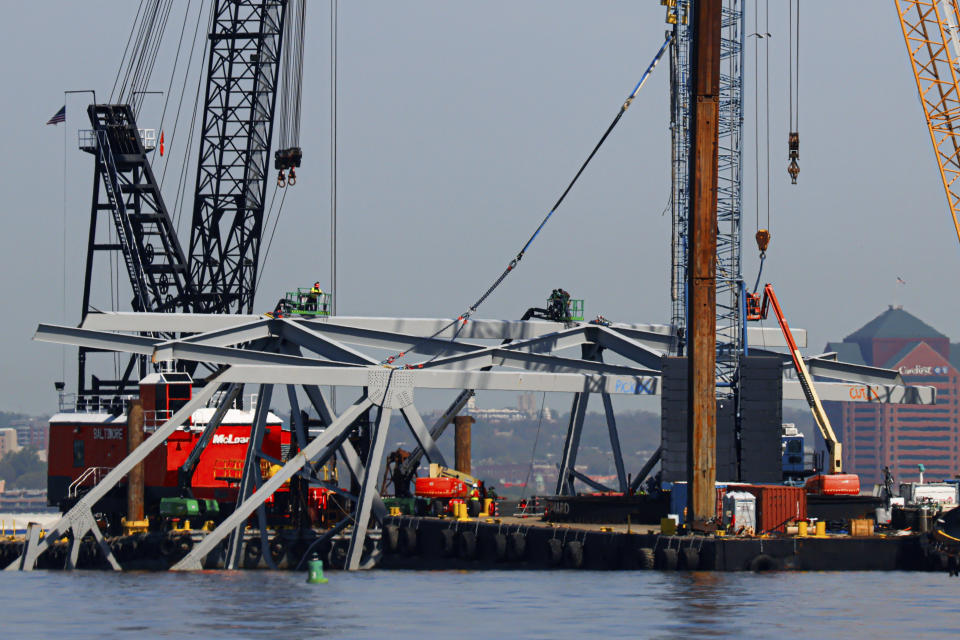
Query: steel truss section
{"points": [[730, 327], [228, 210], [307, 355]]}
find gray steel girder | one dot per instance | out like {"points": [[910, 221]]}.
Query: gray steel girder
{"points": [[368, 490], [341, 425]]}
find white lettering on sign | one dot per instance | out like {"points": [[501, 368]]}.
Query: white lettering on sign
{"points": [[230, 439], [107, 433], [922, 370]]}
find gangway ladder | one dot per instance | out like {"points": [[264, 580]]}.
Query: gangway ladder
{"points": [[131, 256]]}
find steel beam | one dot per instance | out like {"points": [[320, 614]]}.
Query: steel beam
{"points": [[853, 392], [646, 469], [178, 350], [445, 379], [368, 490], [189, 466], [316, 342], [96, 339], [251, 477], [424, 439], [413, 461], [614, 441], [342, 424], [299, 429], [571, 444], [590, 482], [239, 334], [630, 349]]}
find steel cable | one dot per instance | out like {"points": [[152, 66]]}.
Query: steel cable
{"points": [[464, 317]]}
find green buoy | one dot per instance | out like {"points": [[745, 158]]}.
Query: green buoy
{"points": [[315, 572]]}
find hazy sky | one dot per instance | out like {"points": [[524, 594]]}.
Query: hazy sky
{"points": [[459, 126]]}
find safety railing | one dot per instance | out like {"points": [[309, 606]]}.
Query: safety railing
{"points": [[91, 476], [93, 403], [87, 139], [304, 302]]}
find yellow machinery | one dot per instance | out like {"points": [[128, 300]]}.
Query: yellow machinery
{"points": [[933, 42]]}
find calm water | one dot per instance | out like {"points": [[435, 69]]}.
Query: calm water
{"points": [[558, 604]]}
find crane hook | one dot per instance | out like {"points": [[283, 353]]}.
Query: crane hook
{"points": [[793, 142], [281, 182], [292, 177]]}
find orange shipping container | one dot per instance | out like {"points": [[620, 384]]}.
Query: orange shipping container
{"points": [[777, 505]]}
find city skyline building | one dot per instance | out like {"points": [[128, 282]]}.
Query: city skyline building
{"points": [[901, 437]]}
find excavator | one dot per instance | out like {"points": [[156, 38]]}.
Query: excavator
{"points": [[834, 481]]}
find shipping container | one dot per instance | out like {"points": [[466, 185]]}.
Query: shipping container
{"points": [[777, 505]]}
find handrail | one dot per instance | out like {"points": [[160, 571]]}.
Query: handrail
{"points": [[90, 472]]}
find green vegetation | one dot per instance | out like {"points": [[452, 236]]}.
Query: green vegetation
{"points": [[23, 470]]}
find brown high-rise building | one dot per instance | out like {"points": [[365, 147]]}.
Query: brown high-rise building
{"points": [[900, 436]]}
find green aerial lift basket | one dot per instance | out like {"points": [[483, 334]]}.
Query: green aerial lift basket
{"points": [[576, 310], [304, 303]]}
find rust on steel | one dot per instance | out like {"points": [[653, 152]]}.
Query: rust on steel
{"points": [[135, 477], [702, 263], [461, 452]]}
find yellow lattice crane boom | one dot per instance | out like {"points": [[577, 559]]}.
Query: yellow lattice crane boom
{"points": [[931, 34]]}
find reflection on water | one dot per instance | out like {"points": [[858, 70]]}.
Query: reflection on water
{"points": [[461, 604]]}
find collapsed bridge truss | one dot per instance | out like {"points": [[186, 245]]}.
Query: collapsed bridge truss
{"points": [[307, 354]]}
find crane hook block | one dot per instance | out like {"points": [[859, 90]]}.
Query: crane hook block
{"points": [[793, 168], [763, 239]]}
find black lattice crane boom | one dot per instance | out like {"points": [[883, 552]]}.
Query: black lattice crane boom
{"points": [[228, 210]]}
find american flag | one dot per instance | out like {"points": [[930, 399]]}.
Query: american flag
{"points": [[60, 116]]}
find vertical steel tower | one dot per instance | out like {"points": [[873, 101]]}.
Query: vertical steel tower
{"points": [[245, 44], [730, 328]]}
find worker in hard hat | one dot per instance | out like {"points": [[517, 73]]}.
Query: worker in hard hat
{"points": [[316, 293]]}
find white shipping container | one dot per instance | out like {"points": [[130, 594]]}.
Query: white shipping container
{"points": [[941, 493]]}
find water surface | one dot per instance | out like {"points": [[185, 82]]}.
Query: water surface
{"points": [[482, 604]]}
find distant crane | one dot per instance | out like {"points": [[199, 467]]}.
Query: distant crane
{"points": [[930, 31]]}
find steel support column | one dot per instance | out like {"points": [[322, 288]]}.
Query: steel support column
{"points": [[572, 443], [368, 489], [252, 477]]}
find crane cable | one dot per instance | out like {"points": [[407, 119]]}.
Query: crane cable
{"points": [[463, 318], [763, 233]]}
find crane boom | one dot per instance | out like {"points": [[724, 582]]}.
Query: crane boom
{"points": [[930, 32], [246, 41]]}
